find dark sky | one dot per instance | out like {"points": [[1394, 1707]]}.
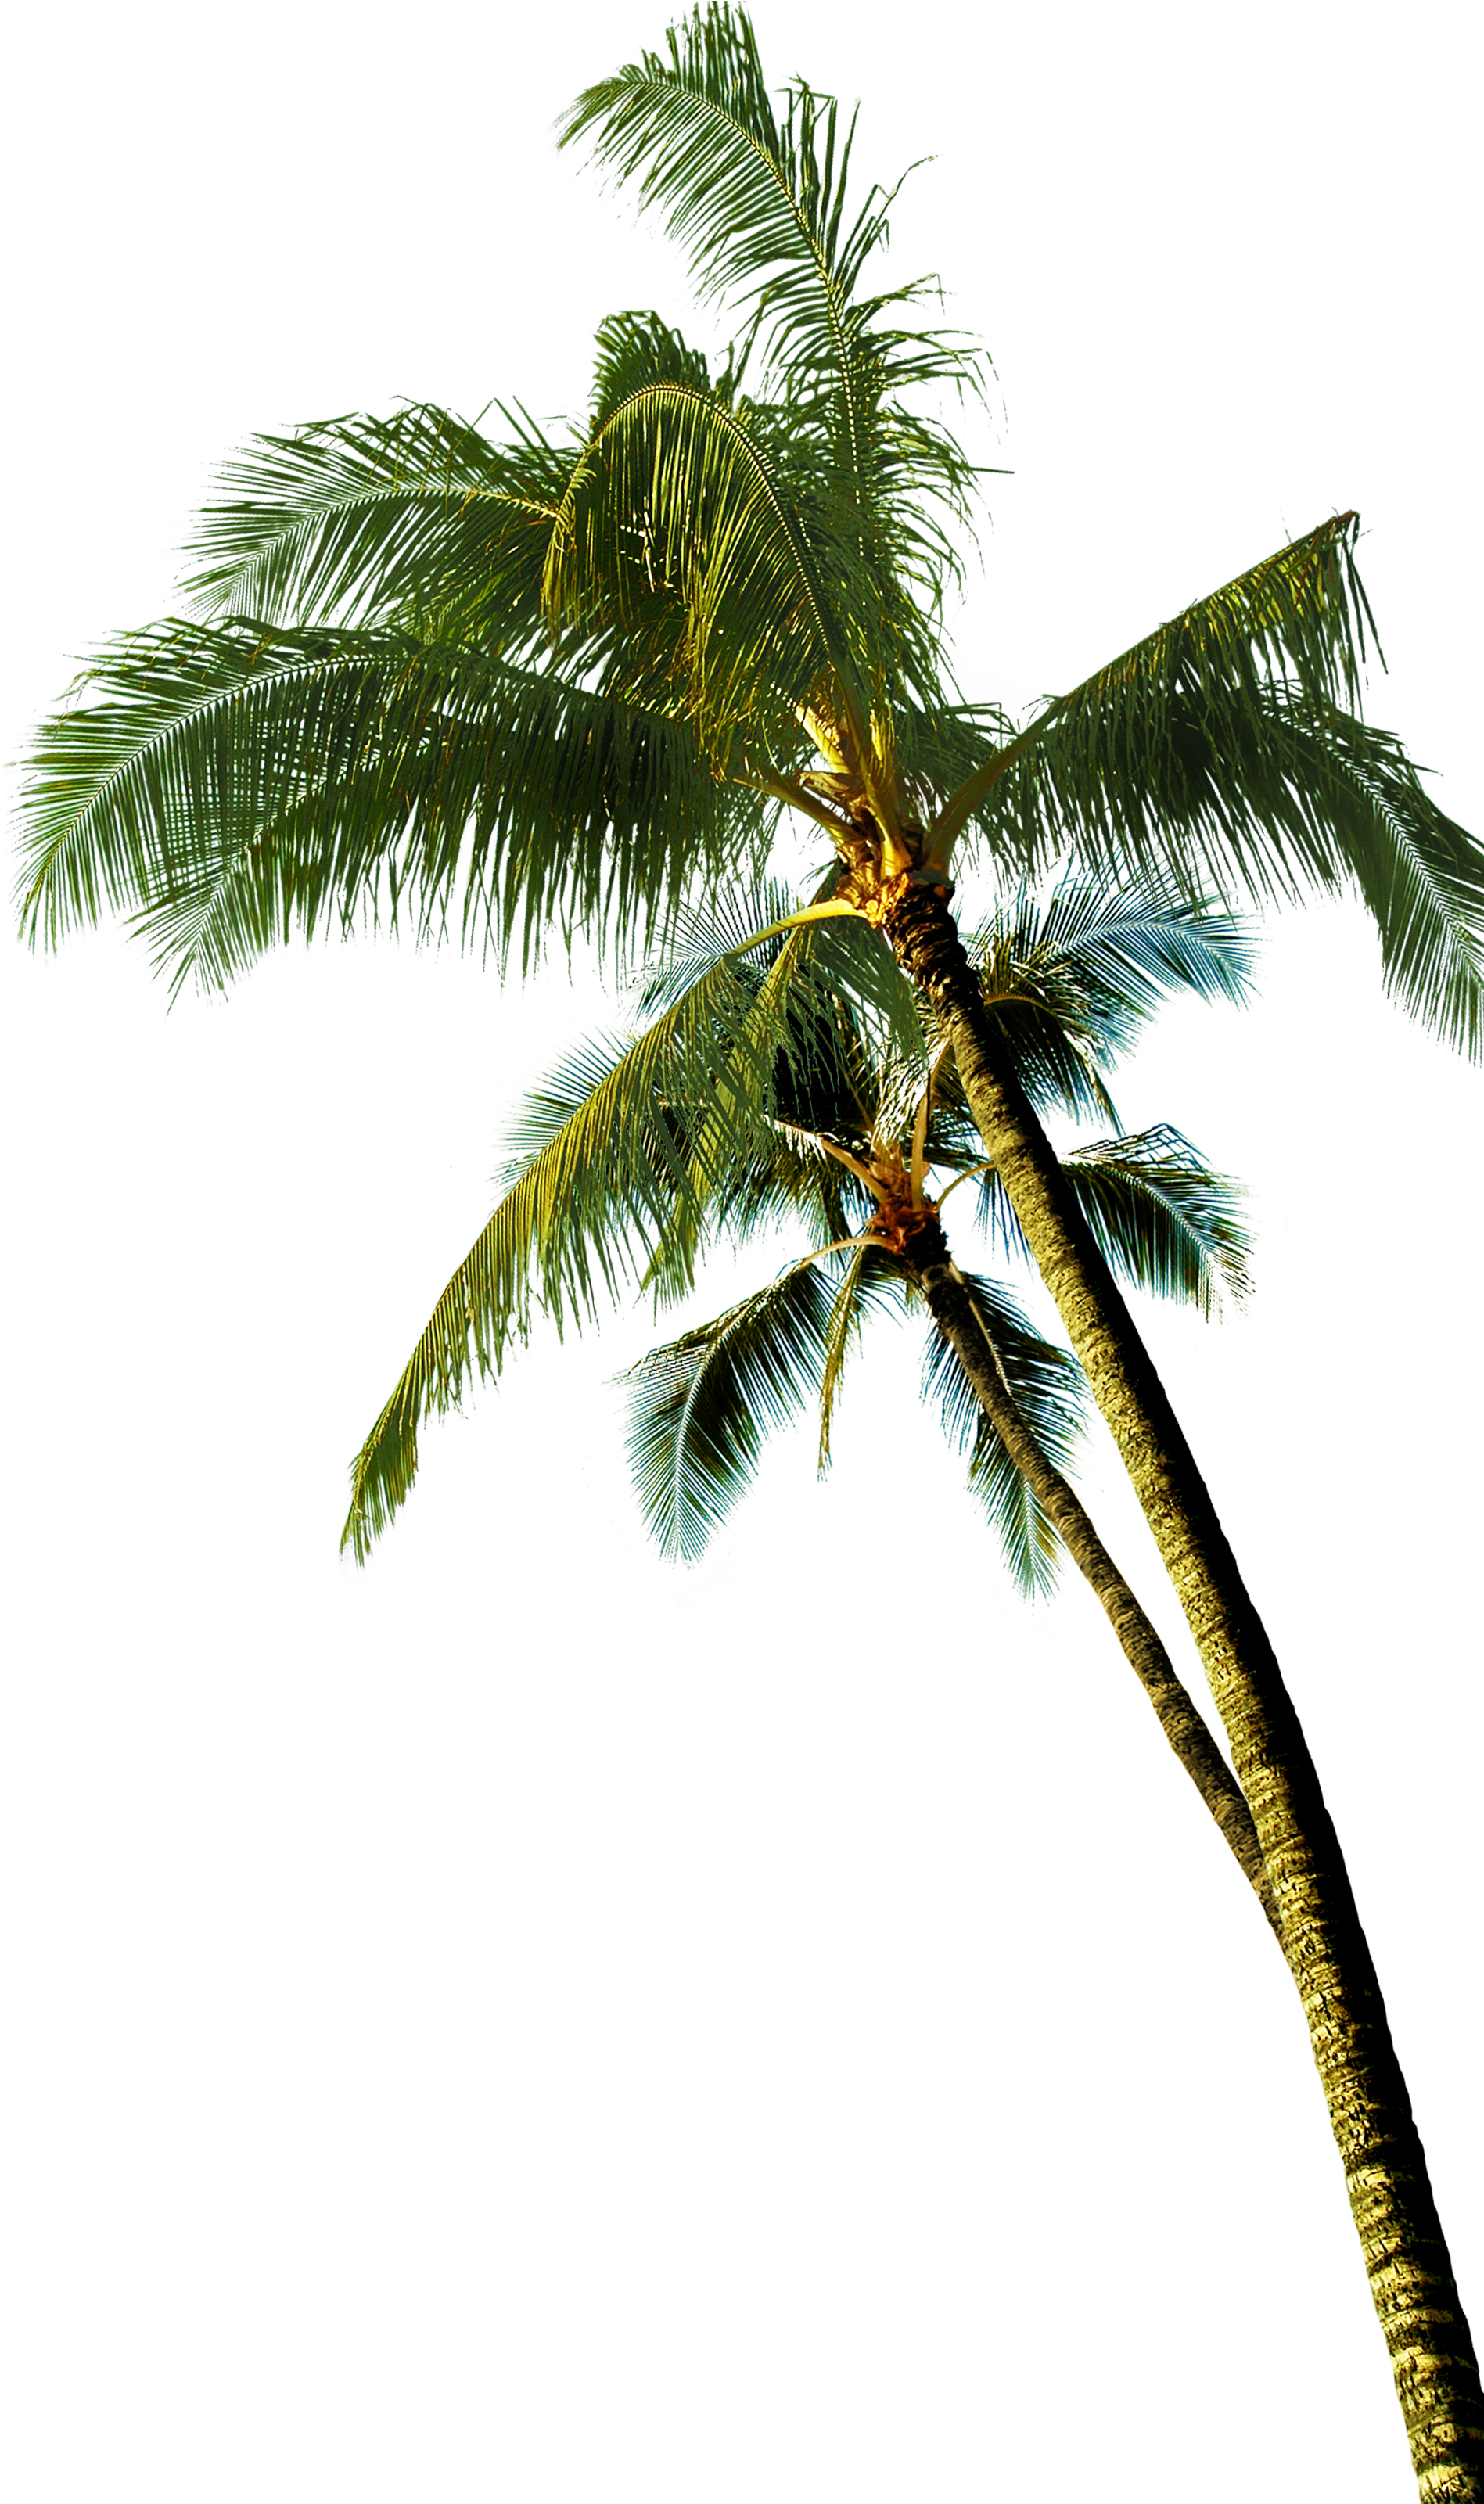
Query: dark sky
{"points": [[850, 1901]]}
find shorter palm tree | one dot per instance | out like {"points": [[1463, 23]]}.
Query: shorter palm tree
{"points": [[766, 1088]]}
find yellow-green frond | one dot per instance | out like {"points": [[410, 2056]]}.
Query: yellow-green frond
{"points": [[591, 1162]]}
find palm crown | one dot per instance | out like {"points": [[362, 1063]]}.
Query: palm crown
{"points": [[484, 685], [760, 1091]]}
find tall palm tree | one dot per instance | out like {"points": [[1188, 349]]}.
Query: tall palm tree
{"points": [[496, 687], [839, 1120]]}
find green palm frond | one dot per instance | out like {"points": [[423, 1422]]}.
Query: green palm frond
{"points": [[1140, 943], [724, 924], [701, 1412], [677, 512], [602, 1178], [870, 1282], [716, 1118], [1162, 1218], [356, 518], [1218, 755], [1072, 977], [799, 1003], [236, 784], [792, 1185], [758, 200]]}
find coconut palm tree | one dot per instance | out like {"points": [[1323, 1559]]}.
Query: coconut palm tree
{"points": [[503, 686], [838, 1119]]}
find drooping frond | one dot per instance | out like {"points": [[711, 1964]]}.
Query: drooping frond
{"points": [[602, 1155], [1217, 756], [699, 1409], [1049, 1389], [1163, 1219], [870, 1281], [234, 785], [757, 198], [1072, 977]]}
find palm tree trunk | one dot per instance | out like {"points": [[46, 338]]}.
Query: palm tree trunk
{"points": [[953, 1311], [1390, 2198]]}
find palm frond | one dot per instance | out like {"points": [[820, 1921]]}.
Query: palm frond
{"points": [[1217, 756], [699, 1409], [1163, 1219], [675, 512], [354, 519], [833, 1034], [234, 785], [1072, 977], [870, 1281], [757, 200], [603, 1175], [781, 1053], [1420, 875], [940, 745], [1049, 1389]]}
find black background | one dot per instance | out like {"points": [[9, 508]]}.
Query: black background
{"points": [[824, 2001]]}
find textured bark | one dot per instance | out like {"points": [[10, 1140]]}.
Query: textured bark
{"points": [[1386, 2175], [953, 1311]]}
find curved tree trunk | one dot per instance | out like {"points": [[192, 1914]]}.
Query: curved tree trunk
{"points": [[1386, 2175], [953, 1311]]}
